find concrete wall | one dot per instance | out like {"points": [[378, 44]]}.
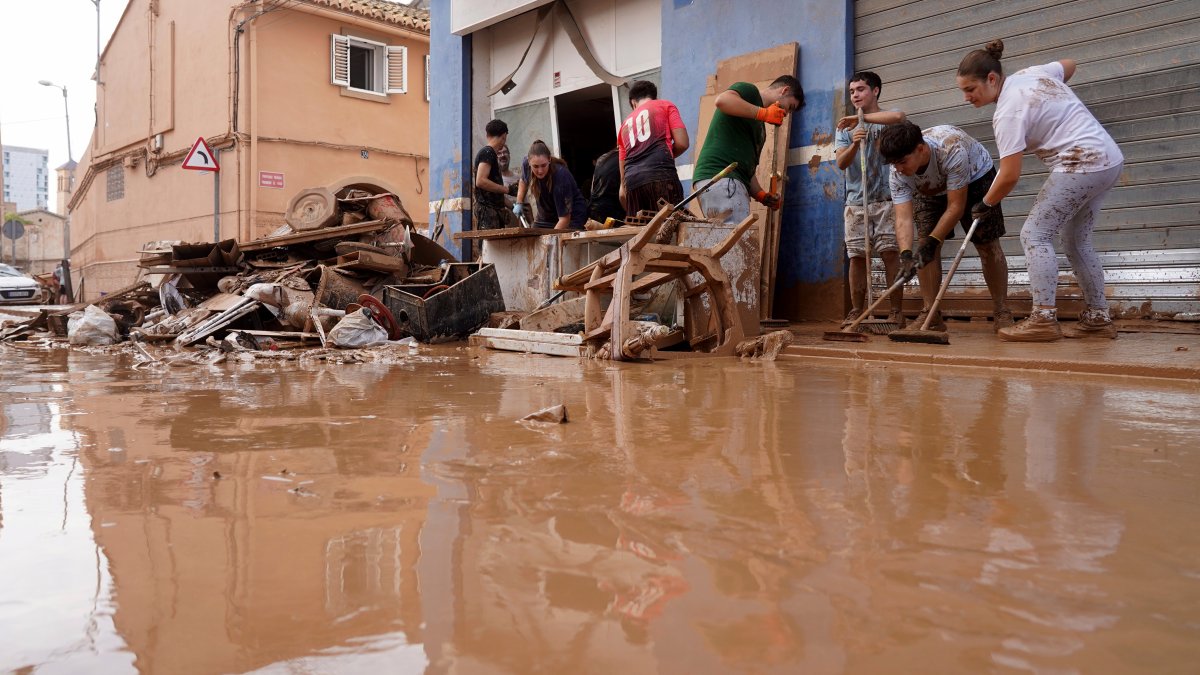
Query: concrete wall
{"points": [[450, 137], [171, 73], [697, 34]]}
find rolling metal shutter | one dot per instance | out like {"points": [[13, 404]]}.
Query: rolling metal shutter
{"points": [[1139, 73]]}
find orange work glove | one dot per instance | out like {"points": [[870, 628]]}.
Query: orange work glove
{"points": [[771, 201], [771, 114]]}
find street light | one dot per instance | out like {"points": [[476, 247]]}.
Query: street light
{"points": [[66, 262]]}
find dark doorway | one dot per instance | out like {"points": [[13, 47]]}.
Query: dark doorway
{"points": [[586, 130]]}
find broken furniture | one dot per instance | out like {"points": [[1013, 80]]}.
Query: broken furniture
{"points": [[448, 308], [639, 265]]}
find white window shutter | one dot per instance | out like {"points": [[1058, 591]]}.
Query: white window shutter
{"points": [[339, 60], [397, 70], [426, 77]]}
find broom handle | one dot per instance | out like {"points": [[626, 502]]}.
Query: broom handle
{"points": [[862, 170], [900, 281], [950, 275]]}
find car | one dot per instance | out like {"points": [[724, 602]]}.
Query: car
{"points": [[17, 288]]}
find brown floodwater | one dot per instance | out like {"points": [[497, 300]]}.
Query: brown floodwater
{"points": [[704, 517]]}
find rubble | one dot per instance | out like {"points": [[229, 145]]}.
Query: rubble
{"points": [[342, 272]]}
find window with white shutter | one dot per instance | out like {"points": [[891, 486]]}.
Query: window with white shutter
{"points": [[397, 70], [362, 65]]}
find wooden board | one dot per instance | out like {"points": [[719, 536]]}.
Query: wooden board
{"points": [[315, 235], [555, 316], [505, 233], [532, 336], [527, 346], [368, 260]]}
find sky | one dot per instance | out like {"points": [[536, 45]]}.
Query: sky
{"points": [[51, 40]]}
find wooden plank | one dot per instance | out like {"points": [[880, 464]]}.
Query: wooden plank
{"points": [[555, 316], [368, 260], [527, 347], [316, 235], [280, 334], [506, 233], [532, 336], [614, 233]]}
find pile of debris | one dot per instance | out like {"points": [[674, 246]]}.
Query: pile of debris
{"points": [[347, 271]]}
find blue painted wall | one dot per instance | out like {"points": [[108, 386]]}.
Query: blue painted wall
{"points": [[699, 33], [449, 121]]}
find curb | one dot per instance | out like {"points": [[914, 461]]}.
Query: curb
{"points": [[800, 352]]}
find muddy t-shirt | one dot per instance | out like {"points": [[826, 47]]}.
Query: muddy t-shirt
{"points": [[733, 139], [1038, 112], [646, 143], [878, 189], [558, 195], [488, 154], [955, 161]]}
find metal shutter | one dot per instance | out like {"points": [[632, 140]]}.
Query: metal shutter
{"points": [[1139, 73]]}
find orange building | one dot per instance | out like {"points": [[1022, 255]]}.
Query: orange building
{"points": [[289, 95]]}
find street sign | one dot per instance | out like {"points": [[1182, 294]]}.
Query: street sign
{"points": [[270, 179], [14, 229], [201, 157]]}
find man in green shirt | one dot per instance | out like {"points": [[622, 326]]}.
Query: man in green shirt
{"points": [[737, 134]]}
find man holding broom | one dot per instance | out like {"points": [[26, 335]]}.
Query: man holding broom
{"points": [[937, 176]]}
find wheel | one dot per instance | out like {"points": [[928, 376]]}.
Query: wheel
{"points": [[380, 310]]}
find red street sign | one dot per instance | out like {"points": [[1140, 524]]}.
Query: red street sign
{"points": [[200, 157], [270, 179]]}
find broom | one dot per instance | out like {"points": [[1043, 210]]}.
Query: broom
{"points": [[923, 334], [850, 333]]}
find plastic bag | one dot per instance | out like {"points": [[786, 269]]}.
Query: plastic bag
{"points": [[355, 330], [92, 326]]}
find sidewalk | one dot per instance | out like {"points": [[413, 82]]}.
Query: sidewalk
{"points": [[1164, 349]]}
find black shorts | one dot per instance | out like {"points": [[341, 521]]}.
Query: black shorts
{"points": [[927, 211], [491, 217], [645, 197]]}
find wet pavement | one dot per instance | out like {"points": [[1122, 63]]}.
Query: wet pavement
{"points": [[1159, 349], [816, 516]]}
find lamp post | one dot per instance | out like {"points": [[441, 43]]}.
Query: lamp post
{"points": [[66, 260]]}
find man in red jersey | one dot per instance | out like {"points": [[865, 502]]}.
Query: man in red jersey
{"points": [[649, 141]]}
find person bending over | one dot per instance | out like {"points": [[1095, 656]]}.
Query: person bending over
{"points": [[560, 204]]}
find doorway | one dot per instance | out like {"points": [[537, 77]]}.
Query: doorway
{"points": [[586, 130]]}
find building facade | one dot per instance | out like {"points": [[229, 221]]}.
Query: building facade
{"points": [[26, 177], [40, 249], [289, 95], [1138, 72]]}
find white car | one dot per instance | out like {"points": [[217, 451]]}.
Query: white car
{"points": [[17, 288]]}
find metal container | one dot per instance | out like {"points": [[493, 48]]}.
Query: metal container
{"points": [[449, 310]]}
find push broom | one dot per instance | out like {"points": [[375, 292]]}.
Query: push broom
{"points": [[923, 334], [869, 325]]}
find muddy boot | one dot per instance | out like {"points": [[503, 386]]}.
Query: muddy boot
{"points": [[1002, 319], [851, 317], [937, 323], [1093, 323], [1040, 326], [897, 317]]}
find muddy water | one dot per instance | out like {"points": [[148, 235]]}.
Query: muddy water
{"points": [[716, 517]]}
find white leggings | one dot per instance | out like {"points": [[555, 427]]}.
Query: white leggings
{"points": [[1068, 204]]}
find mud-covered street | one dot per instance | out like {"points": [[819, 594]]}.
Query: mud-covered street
{"points": [[708, 517]]}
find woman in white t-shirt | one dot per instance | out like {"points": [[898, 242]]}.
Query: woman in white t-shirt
{"points": [[1037, 112]]}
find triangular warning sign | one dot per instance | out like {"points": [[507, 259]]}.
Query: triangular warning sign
{"points": [[201, 157]]}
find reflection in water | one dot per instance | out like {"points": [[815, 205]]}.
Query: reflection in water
{"points": [[705, 517]]}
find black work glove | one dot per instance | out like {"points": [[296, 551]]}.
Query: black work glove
{"points": [[982, 210], [927, 249], [908, 266]]}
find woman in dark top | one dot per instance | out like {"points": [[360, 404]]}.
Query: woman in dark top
{"points": [[560, 203]]}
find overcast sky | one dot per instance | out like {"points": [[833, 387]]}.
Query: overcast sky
{"points": [[50, 40]]}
